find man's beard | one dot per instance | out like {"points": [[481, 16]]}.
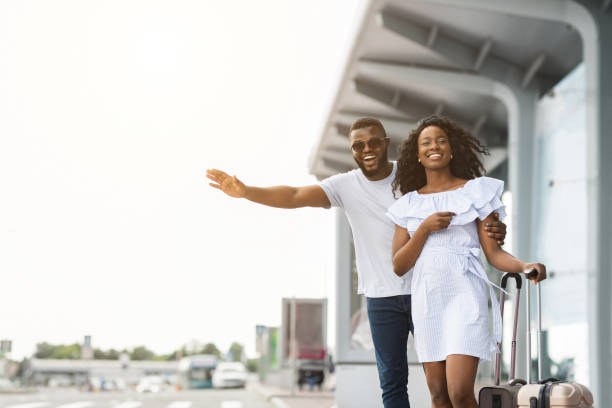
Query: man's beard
{"points": [[379, 167]]}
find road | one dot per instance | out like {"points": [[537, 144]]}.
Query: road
{"points": [[71, 398]]}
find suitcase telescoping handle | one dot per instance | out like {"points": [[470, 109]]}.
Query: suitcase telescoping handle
{"points": [[504, 283], [530, 274]]}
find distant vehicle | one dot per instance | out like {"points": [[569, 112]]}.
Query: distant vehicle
{"points": [[229, 374], [114, 384], [311, 372], [310, 322], [6, 384], [150, 383], [59, 381], [197, 371]]}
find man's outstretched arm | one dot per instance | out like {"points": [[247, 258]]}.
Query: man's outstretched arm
{"points": [[279, 196]]}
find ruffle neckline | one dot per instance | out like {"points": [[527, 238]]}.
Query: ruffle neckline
{"points": [[478, 198]]}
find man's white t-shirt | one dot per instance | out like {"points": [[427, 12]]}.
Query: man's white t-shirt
{"points": [[365, 203]]}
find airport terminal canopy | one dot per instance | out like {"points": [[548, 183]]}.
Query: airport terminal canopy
{"points": [[415, 58]]}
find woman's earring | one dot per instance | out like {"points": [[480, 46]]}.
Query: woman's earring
{"points": [[419, 160]]}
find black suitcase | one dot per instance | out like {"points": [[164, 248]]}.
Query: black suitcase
{"points": [[505, 396]]}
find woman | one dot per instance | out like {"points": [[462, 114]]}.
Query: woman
{"points": [[440, 227]]}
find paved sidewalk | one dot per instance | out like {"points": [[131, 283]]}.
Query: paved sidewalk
{"points": [[282, 398]]}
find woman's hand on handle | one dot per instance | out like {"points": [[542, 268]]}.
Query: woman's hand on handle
{"points": [[226, 183], [536, 272], [437, 221]]}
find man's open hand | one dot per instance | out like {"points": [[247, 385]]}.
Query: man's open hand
{"points": [[226, 183]]}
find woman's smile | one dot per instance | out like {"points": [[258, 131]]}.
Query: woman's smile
{"points": [[434, 148]]}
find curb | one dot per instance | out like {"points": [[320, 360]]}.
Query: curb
{"points": [[275, 398], [277, 402], [266, 394], [17, 391], [269, 396]]}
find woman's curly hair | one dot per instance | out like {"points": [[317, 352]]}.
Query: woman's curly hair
{"points": [[465, 164]]}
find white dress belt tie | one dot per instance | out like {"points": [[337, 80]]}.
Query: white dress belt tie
{"points": [[475, 267]]}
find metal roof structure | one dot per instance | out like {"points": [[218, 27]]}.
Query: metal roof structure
{"points": [[402, 47]]}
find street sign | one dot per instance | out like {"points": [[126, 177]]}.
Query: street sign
{"points": [[260, 331]]}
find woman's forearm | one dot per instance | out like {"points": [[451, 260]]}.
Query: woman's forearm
{"points": [[502, 260], [497, 257], [405, 257]]}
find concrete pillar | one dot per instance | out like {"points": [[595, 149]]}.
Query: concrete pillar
{"points": [[344, 255], [521, 157], [357, 384]]}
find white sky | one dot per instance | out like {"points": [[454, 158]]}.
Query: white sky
{"points": [[110, 113]]}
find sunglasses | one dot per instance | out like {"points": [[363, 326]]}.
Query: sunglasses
{"points": [[374, 143]]}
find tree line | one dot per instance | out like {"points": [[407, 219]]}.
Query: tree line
{"points": [[46, 350]]}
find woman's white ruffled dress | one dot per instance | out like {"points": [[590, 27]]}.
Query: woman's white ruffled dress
{"points": [[449, 285]]}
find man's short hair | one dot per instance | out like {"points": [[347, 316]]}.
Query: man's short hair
{"points": [[366, 123]]}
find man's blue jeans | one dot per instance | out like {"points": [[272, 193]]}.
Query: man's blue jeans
{"points": [[390, 322]]}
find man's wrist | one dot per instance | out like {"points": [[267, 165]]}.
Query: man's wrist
{"points": [[245, 194]]}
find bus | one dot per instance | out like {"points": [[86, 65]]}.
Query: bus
{"points": [[196, 371]]}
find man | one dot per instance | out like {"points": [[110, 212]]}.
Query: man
{"points": [[364, 194]]}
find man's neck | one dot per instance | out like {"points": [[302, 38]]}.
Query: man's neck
{"points": [[383, 173]]}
